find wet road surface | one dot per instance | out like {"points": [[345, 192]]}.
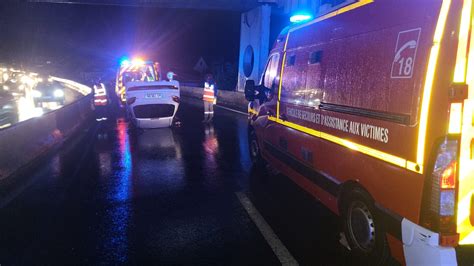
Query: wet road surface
{"points": [[163, 197]]}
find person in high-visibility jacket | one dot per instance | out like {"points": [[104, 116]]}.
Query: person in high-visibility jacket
{"points": [[209, 98]]}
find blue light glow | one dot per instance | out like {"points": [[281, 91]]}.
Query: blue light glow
{"points": [[301, 17], [124, 62]]}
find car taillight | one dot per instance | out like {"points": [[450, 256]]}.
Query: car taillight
{"points": [[131, 100], [176, 99], [442, 194]]}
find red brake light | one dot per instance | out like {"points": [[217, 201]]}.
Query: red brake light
{"points": [[448, 178], [131, 100]]}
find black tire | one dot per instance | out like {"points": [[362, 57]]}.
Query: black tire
{"points": [[254, 150], [363, 230]]}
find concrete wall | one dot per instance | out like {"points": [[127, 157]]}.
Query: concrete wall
{"points": [[23, 143], [254, 33], [230, 99]]}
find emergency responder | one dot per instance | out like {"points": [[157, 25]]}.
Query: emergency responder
{"points": [[101, 101], [209, 99]]}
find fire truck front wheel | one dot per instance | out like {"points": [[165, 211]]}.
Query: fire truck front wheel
{"points": [[364, 233], [254, 149]]}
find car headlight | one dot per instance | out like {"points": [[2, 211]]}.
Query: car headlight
{"points": [[36, 94], [58, 93]]}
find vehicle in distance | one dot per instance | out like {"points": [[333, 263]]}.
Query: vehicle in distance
{"points": [[152, 104], [8, 110], [48, 95], [375, 119]]}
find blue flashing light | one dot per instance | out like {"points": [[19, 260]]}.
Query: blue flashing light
{"points": [[124, 62], [301, 17]]}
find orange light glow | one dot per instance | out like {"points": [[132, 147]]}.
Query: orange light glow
{"points": [[448, 179]]}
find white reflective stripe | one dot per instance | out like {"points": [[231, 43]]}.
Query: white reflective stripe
{"points": [[208, 90], [421, 246], [208, 112], [209, 96]]}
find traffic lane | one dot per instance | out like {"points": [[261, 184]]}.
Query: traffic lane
{"points": [[162, 196], [309, 230]]}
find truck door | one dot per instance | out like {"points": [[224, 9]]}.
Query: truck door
{"points": [[270, 81], [300, 98]]}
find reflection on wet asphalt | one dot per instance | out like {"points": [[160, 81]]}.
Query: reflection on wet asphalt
{"points": [[162, 196]]}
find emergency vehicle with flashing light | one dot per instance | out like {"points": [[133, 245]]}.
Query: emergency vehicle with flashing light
{"points": [[369, 108], [134, 71]]}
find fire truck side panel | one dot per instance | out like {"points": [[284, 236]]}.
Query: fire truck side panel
{"points": [[351, 105]]}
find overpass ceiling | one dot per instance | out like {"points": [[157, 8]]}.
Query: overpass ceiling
{"points": [[235, 5]]}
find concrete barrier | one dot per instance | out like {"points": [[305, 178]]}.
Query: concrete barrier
{"points": [[25, 142], [231, 99]]}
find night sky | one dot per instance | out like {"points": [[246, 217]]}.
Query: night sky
{"points": [[85, 36]]}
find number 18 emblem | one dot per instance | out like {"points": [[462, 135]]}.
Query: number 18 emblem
{"points": [[405, 54]]}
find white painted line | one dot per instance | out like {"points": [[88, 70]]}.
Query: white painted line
{"points": [[282, 253], [232, 110]]}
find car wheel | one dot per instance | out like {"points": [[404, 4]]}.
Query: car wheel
{"points": [[363, 230], [254, 149]]}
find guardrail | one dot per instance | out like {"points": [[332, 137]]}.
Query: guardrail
{"points": [[232, 99], [27, 141]]}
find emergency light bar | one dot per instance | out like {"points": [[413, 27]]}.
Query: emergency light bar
{"points": [[301, 17]]}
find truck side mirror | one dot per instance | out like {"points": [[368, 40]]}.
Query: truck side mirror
{"points": [[250, 90]]}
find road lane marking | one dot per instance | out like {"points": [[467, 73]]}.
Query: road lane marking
{"points": [[282, 253], [232, 110]]}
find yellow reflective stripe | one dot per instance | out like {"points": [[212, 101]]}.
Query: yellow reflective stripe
{"points": [[455, 118], [468, 239], [281, 75], [392, 159], [335, 13], [466, 172], [428, 87], [464, 205], [461, 59]]}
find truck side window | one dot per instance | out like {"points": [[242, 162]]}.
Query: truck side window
{"points": [[315, 57], [271, 72]]}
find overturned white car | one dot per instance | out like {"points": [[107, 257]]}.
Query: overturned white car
{"points": [[152, 104]]}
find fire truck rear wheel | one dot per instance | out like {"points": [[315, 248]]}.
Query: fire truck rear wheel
{"points": [[364, 232]]}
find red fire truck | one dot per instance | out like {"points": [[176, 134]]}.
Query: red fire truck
{"points": [[369, 108]]}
